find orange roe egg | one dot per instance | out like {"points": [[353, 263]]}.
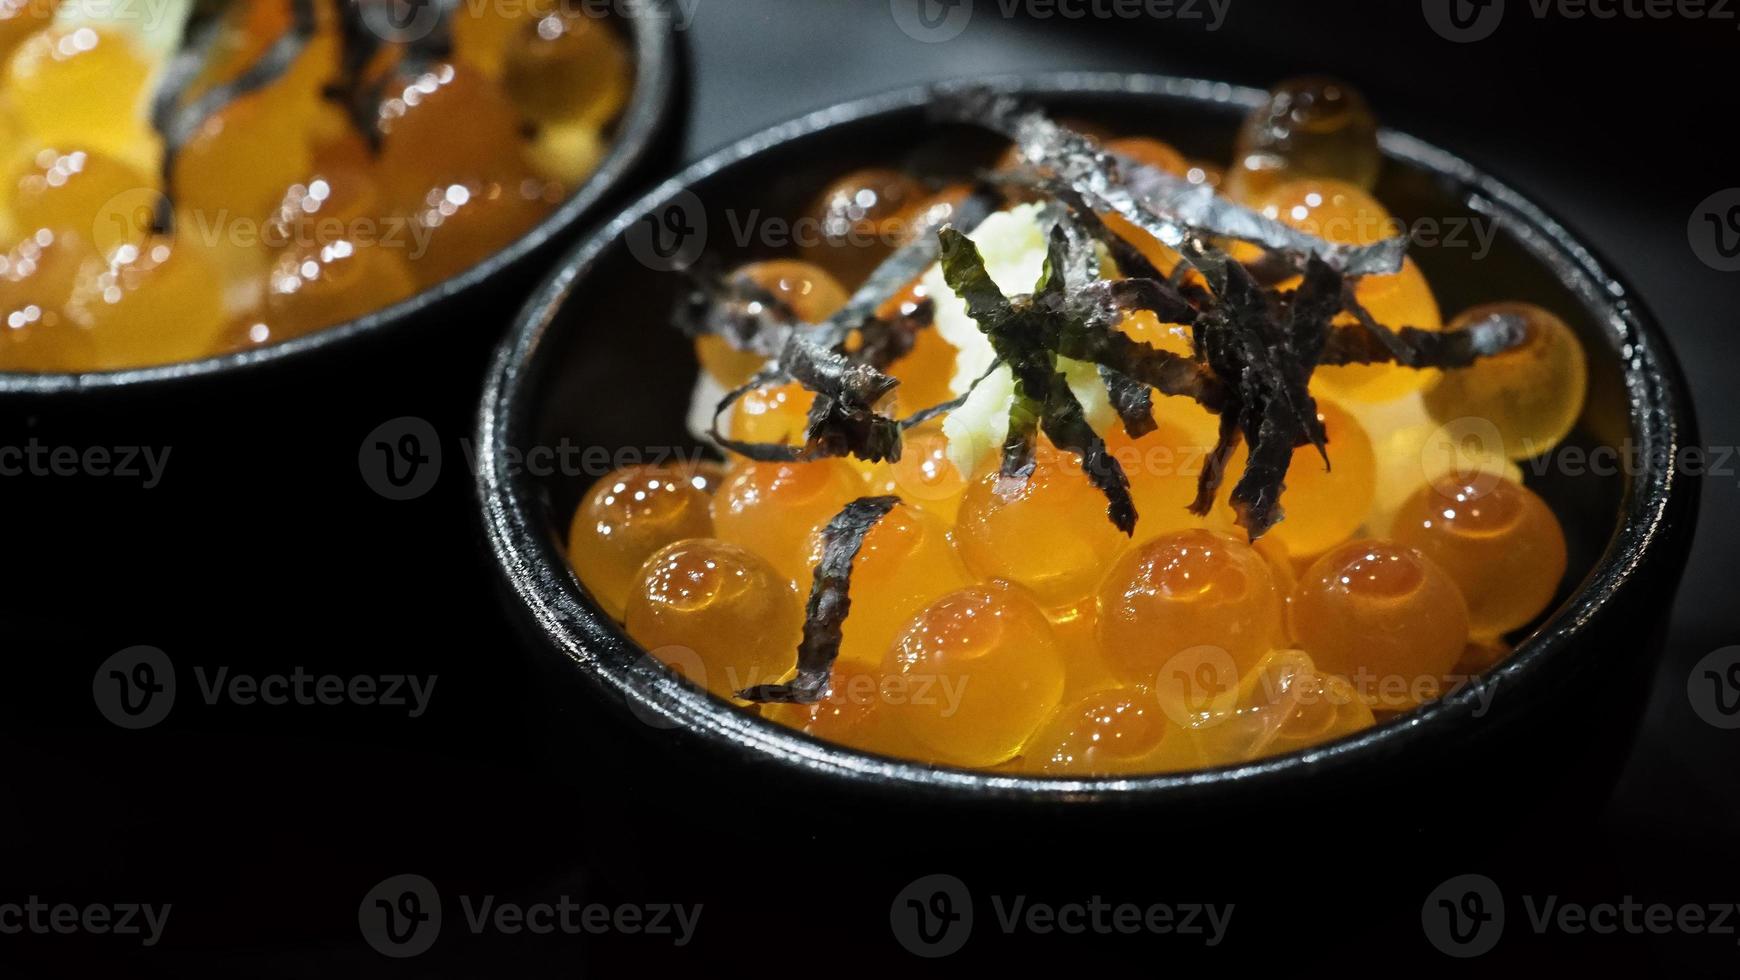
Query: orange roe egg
{"points": [[1198, 423], [807, 290], [567, 67], [926, 371], [1284, 704], [718, 613], [1497, 540], [336, 203], [235, 168], [1384, 616], [1163, 467], [483, 32], [629, 514], [772, 414], [983, 671], [36, 280], [327, 285], [858, 220], [905, 562], [81, 86], [1342, 213], [19, 19], [1324, 506], [923, 476], [1401, 300], [931, 212], [1049, 534], [1109, 732], [854, 713], [419, 155], [155, 303], [1309, 127], [1532, 394], [459, 225], [1186, 614], [99, 198], [1330, 209], [1149, 153], [772, 508]]}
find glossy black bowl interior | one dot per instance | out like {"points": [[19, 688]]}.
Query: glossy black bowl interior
{"points": [[635, 135], [592, 363]]}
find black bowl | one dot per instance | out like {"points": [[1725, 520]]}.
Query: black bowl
{"points": [[494, 283], [591, 364]]}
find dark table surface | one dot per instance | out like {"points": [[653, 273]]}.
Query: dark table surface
{"points": [[264, 827]]}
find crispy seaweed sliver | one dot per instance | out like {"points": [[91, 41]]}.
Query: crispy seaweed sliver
{"points": [[179, 120], [1214, 465], [359, 89], [737, 310], [842, 420], [1026, 334], [1174, 211], [1132, 400], [1245, 339], [829, 603], [882, 340], [1066, 425], [1374, 343]]}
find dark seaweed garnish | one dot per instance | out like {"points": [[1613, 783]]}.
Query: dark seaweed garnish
{"points": [[1254, 345], [365, 32], [830, 600], [1373, 343], [847, 385]]}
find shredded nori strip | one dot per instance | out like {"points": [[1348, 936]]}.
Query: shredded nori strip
{"points": [[842, 420], [883, 340], [829, 603], [737, 310], [1027, 335], [1373, 343], [1174, 211], [362, 43]]}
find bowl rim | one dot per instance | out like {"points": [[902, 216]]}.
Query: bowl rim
{"points": [[643, 121], [549, 600]]}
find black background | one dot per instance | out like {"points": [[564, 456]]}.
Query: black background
{"points": [[264, 826]]}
